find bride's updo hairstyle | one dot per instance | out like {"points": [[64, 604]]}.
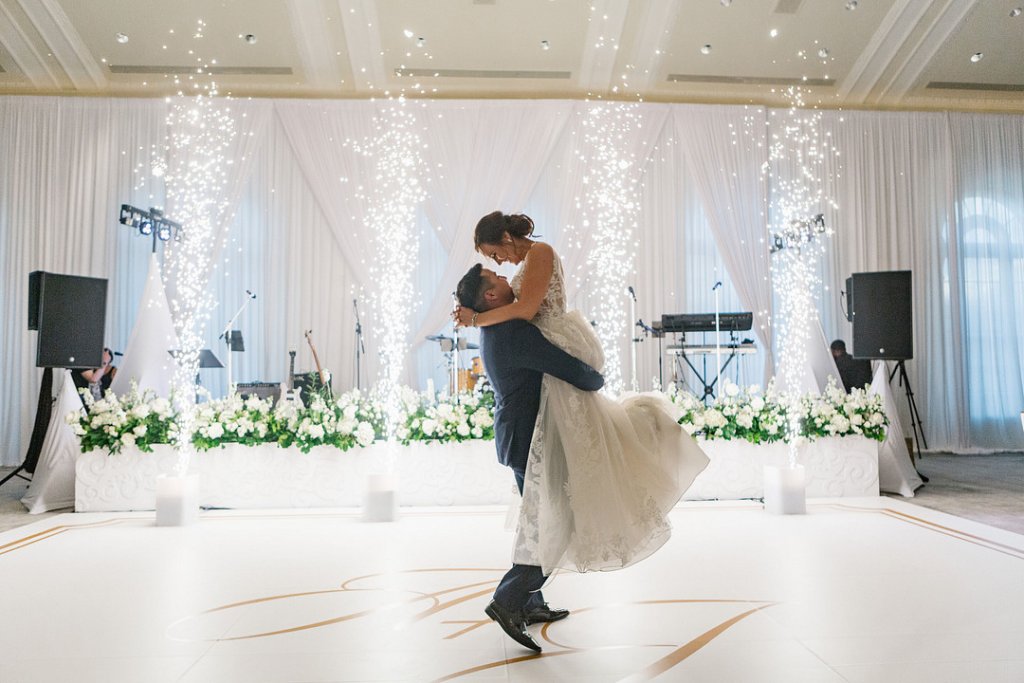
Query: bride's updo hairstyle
{"points": [[493, 226]]}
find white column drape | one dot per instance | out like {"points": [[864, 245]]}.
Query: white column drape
{"points": [[725, 163], [895, 190], [66, 165], [283, 248], [472, 146], [988, 154]]}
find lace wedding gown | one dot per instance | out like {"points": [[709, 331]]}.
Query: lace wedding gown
{"points": [[602, 474]]}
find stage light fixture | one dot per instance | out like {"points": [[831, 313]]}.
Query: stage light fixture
{"points": [[150, 223]]}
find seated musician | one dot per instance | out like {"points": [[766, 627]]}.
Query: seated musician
{"points": [[854, 372], [97, 380]]}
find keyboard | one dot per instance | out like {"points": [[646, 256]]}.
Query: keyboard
{"points": [[705, 349]]}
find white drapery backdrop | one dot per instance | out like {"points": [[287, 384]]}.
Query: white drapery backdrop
{"points": [[939, 194]]}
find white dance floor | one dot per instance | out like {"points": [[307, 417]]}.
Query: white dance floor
{"points": [[857, 590]]}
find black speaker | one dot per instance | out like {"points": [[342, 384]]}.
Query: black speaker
{"points": [[70, 314], [34, 279], [882, 315]]}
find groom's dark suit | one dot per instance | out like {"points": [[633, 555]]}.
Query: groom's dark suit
{"points": [[517, 356]]}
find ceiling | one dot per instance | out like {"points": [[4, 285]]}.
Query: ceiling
{"points": [[889, 54]]}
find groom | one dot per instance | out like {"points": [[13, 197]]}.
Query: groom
{"points": [[517, 356]]}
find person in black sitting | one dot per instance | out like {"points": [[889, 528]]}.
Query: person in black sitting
{"points": [[97, 380], [854, 372]]}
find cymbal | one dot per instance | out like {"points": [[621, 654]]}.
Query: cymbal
{"points": [[438, 338]]}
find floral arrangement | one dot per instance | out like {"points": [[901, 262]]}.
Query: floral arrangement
{"points": [[355, 419], [248, 421], [739, 413], [746, 413], [464, 416], [348, 421], [133, 420], [836, 413]]}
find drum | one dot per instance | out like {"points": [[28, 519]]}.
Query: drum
{"points": [[467, 380]]}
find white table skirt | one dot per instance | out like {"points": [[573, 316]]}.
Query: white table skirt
{"points": [[429, 474]]}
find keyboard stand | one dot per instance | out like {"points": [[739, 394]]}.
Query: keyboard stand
{"points": [[709, 389]]}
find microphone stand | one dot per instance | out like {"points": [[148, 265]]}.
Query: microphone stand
{"points": [[453, 371], [718, 338], [635, 340], [249, 296], [360, 349]]}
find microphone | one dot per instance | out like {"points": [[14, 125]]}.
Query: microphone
{"points": [[250, 294], [631, 292], [118, 353], [717, 285]]}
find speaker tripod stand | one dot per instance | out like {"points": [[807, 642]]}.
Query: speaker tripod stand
{"points": [[44, 410], [915, 417]]}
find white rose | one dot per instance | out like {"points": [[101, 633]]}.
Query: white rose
{"points": [[364, 434], [462, 429], [216, 430], [316, 431], [139, 431], [347, 425], [757, 404], [477, 432], [745, 420], [261, 429], [731, 389], [349, 412], [161, 405], [429, 427], [128, 439], [141, 411]]}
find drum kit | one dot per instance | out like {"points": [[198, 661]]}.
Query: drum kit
{"points": [[459, 378]]}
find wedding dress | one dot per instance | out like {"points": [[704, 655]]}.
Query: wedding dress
{"points": [[602, 474]]}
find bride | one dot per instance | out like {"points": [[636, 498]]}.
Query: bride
{"points": [[602, 474]]}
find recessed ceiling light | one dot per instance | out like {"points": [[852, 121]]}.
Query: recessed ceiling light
{"points": [[545, 45], [977, 57], [705, 50], [823, 53], [1016, 11], [851, 5], [774, 32], [249, 38], [421, 42], [121, 38], [726, 3], [408, 33]]}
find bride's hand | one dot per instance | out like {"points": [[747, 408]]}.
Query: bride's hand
{"points": [[463, 316]]}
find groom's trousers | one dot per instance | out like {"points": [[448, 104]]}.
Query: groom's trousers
{"points": [[520, 588]]}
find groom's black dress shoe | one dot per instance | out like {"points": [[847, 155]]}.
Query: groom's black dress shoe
{"points": [[544, 614], [512, 623]]}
